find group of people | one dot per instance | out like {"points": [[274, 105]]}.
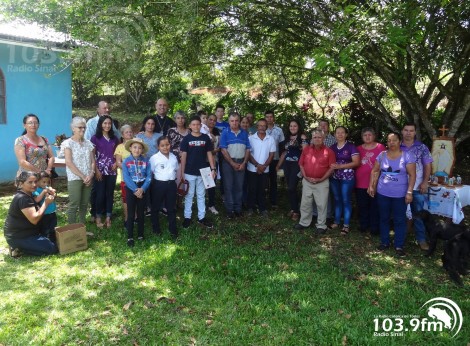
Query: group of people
{"points": [[244, 155]]}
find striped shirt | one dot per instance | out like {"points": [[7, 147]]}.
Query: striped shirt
{"points": [[236, 143]]}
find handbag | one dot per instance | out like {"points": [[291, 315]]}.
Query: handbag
{"points": [[183, 188]]}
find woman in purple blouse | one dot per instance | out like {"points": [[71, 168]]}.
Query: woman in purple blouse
{"points": [[105, 173], [392, 180], [343, 179]]}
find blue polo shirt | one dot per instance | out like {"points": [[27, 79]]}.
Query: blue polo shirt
{"points": [[236, 143]]}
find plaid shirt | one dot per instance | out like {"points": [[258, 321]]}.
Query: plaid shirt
{"points": [[329, 140]]}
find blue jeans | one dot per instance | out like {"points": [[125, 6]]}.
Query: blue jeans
{"points": [[416, 206], [368, 212], [196, 185], [233, 186], [342, 192], [35, 245], [105, 195], [396, 208]]}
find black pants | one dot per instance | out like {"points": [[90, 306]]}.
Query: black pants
{"points": [[133, 204], [273, 182], [256, 190], [48, 225], [291, 171], [164, 190]]}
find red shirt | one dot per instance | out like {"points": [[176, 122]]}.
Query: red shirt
{"points": [[316, 162]]}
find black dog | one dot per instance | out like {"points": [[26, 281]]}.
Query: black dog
{"points": [[438, 229], [456, 256]]}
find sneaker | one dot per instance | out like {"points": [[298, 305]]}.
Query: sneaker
{"points": [[424, 245], [130, 242], [382, 247], [213, 210], [163, 211], [300, 227], [400, 252], [205, 223], [186, 223], [148, 212], [140, 238]]}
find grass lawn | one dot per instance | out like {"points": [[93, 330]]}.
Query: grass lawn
{"points": [[247, 282]]}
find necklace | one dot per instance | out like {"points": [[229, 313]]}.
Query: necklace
{"points": [[160, 124]]}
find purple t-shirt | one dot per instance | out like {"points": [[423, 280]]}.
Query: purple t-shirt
{"points": [[105, 154], [393, 179], [344, 155], [422, 156]]}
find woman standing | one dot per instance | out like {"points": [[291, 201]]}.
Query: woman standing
{"points": [[22, 228], [366, 205], [291, 150], [176, 135], [342, 180], [80, 167], [105, 172], [214, 135], [121, 153], [393, 178], [148, 135], [32, 151]]}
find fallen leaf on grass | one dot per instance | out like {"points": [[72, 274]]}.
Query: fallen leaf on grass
{"points": [[127, 306], [149, 305], [106, 313], [291, 331], [124, 331], [135, 343], [209, 322], [344, 342], [348, 316], [264, 325], [340, 312], [193, 341]]}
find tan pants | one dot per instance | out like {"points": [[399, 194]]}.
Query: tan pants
{"points": [[314, 192]]}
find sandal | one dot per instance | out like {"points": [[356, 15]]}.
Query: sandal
{"points": [[108, 222], [345, 230], [333, 226], [99, 224]]}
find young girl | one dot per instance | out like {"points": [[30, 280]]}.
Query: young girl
{"points": [[120, 154], [105, 172], [49, 219], [137, 175], [164, 165]]}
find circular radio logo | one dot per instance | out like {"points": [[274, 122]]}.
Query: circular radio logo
{"points": [[445, 311]]}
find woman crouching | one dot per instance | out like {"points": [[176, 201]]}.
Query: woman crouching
{"points": [[22, 225]]}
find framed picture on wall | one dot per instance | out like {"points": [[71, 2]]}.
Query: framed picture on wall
{"points": [[443, 154]]}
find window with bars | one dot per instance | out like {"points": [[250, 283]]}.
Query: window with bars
{"points": [[3, 95]]}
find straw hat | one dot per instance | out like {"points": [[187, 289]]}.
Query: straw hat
{"points": [[145, 147]]}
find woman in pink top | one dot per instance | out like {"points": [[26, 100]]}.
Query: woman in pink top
{"points": [[367, 205]]}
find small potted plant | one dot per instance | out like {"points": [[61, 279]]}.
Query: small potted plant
{"points": [[58, 142]]}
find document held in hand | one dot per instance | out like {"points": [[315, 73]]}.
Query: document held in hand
{"points": [[207, 179]]}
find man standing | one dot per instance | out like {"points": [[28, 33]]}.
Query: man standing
{"points": [[103, 109], [235, 148], [220, 124], [162, 122], [423, 171], [329, 140], [276, 133], [261, 155], [252, 129], [315, 164]]}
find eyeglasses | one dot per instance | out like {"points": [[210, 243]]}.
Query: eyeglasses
{"points": [[32, 123], [80, 127]]}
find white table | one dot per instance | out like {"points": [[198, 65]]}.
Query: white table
{"points": [[448, 202]]}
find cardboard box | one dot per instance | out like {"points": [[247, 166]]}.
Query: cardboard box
{"points": [[71, 238]]}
